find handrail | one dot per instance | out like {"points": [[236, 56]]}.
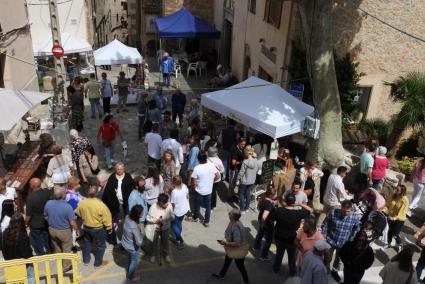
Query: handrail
{"points": [[15, 270]]}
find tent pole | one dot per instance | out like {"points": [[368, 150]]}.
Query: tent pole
{"points": [[159, 60]]}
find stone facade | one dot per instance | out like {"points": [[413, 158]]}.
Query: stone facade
{"points": [[111, 21], [383, 53], [255, 44], [16, 47]]}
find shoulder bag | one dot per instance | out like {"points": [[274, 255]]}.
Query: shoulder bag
{"points": [[93, 171]]}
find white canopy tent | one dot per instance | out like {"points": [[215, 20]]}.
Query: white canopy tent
{"points": [[69, 43], [15, 104], [260, 105], [116, 52]]}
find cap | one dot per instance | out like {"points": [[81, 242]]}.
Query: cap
{"points": [[219, 66], [321, 245]]}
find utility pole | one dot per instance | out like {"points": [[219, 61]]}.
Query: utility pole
{"points": [[59, 92]]}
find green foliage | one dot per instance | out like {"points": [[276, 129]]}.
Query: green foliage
{"points": [[376, 129], [348, 78], [406, 164], [410, 91], [408, 147]]}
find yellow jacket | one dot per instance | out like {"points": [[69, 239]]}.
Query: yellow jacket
{"points": [[94, 213], [397, 209]]}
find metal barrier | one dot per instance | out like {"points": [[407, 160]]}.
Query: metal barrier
{"points": [[15, 271]]}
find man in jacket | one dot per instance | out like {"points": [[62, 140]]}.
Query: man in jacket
{"points": [[178, 102], [166, 66]]}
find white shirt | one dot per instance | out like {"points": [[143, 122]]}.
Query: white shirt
{"points": [[153, 191], [9, 194], [154, 142], [179, 197], [175, 147], [5, 223], [335, 191], [204, 175], [119, 190]]}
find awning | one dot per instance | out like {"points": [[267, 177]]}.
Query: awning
{"points": [[69, 44], [182, 24], [260, 105], [15, 104], [116, 52]]}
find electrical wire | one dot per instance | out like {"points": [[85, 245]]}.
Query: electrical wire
{"points": [[44, 4], [386, 23]]}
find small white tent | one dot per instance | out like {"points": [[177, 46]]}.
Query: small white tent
{"points": [[116, 52], [69, 43], [260, 105], [15, 104]]}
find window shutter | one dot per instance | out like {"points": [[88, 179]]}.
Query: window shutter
{"points": [[267, 10]]}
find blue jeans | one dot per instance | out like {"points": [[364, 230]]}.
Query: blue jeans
{"points": [[198, 199], [133, 260], [245, 196], [376, 183], [267, 233], [40, 241], [280, 251], [109, 154], [166, 77], [176, 226], [99, 237], [95, 104]]}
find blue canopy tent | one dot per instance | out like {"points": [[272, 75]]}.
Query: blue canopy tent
{"points": [[182, 24]]}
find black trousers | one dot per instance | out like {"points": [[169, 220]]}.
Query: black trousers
{"points": [[156, 162], [351, 276], [106, 105], [239, 264], [394, 231]]}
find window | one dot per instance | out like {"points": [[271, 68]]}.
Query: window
{"points": [[252, 6], [118, 21], [273, 12]]}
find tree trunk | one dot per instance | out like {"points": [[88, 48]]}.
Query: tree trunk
{"points": [[316, 19]]}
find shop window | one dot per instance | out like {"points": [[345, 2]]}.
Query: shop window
{"points": [[273, 12]]}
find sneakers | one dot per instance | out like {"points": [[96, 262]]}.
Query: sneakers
{"points": [[134, 279], [217, 276], [409, 213], [243, 212], [335, 276], [152, 259], [167, 259], [206, 225]]}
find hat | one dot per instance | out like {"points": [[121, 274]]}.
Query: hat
{"points": [[219, 66], [321, 245]]}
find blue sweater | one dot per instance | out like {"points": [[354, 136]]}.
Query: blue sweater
{"points": [[166, 65]]}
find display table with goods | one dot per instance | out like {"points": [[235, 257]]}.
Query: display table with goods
{"points": [[26, 166]]}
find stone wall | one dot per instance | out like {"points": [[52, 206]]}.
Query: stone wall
{"points": [[384, 53], [203, 9]]}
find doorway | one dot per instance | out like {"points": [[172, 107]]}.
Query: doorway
{"points": [[262, 74]]}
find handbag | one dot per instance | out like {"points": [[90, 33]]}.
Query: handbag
{"points": [[93, 171], [237, 252], [150, 231]]}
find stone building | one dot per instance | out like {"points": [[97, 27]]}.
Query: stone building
{"points": [[111, 21], [383, 53], [16, 54], [256, 37], [142, 32]]}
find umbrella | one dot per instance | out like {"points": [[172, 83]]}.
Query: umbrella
{"points": [[15, 104]]}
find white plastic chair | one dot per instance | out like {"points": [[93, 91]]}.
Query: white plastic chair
{"points": [[202, 66], [193, 67]]}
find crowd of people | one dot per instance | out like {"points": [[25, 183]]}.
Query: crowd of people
{"points": [[71, 207]]}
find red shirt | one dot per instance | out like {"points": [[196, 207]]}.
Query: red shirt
{"points": [[379, 167], [109, 131]]}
